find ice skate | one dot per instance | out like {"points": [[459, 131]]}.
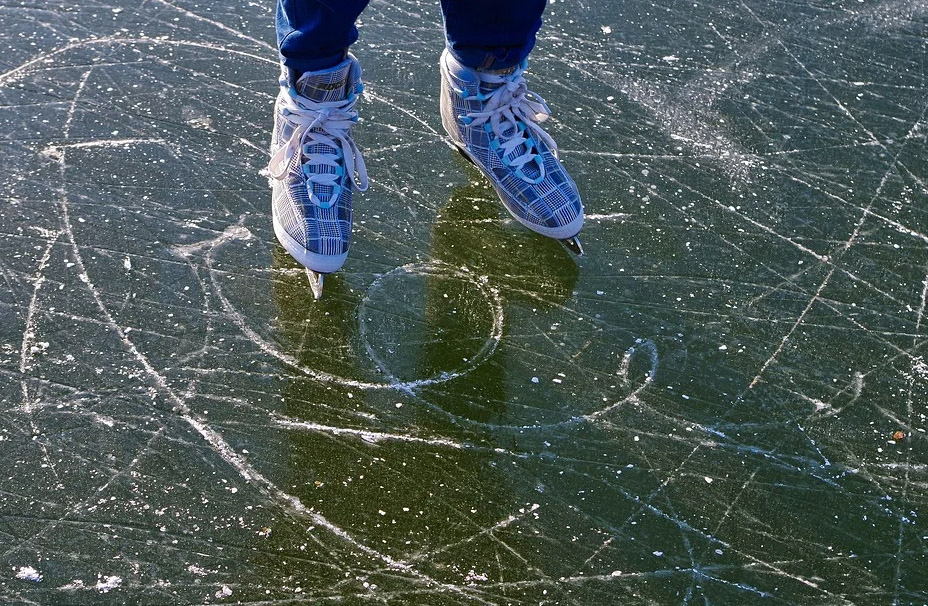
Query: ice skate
{"points": [[494, 120], [313, 165]]}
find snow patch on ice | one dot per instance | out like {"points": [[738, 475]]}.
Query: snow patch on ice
{"points": [[106, 584], [28, 573]]}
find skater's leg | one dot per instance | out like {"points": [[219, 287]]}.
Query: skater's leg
{"points": [[315, 34], [491, 34]]}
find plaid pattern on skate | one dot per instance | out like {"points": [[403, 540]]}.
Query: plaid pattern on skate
{"points": [[552, 203], [323, 231]]}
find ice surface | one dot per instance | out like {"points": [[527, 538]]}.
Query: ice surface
{"points": [[723, 402]]}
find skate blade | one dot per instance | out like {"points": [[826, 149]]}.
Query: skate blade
{"points": [[464, 154], [315, 282], [573, 245]]}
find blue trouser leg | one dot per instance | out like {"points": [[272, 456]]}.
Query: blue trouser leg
{"points": [[481, 34], [491, 34], [315, 34]]}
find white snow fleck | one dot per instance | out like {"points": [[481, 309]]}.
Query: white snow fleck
{"points": [[193, 568], [28, 573], [224, 592], [75, 584], [474, 576], [534, 379], [708, 480], [108, 583], [658, 553]]}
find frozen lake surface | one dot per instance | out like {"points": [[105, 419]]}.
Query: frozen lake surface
{"points": [[724, 402]]}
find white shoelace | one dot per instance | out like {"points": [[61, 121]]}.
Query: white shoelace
{"points": [[321, 123], [508, 106]]}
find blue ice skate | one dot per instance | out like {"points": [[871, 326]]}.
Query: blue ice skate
{"points": [[313, 165], [494, 120]]}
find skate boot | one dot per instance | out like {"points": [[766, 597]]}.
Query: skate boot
{"points": [[494, 120], [313, 165]]}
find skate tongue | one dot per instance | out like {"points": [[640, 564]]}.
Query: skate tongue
{"points": [[321, 87], [508, 71], [488, 87], [508, 129], [327, 85]]}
